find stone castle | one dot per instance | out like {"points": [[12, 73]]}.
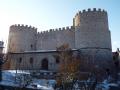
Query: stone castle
{"points": [[89, 34]]}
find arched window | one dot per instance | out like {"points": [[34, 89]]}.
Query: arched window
{"points": [[31, 46], [31, 60], [20, 60], [44, 64], [57, 60]]}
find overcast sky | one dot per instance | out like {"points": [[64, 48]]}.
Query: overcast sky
{"points": [[50, 14]]}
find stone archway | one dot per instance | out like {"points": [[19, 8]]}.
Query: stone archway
{"points": [[44, 64]]}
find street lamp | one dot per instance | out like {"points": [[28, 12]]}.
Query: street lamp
{"points": [[1, 58]]}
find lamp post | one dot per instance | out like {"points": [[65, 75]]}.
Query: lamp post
{"points": [[1, 58], [1, 62]]}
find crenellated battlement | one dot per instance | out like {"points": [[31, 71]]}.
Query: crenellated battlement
{"points": [[23, 26], [90, 15], [56, 30], [88, 11], [94, 10], [89, 34]]}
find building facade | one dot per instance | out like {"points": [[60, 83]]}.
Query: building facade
{"points": [[89, 34]]}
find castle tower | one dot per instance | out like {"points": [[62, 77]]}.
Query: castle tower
{"points": [[22, 38], [92, 36]]}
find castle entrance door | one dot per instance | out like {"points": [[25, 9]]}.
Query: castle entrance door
{"points": [[44, 64]]}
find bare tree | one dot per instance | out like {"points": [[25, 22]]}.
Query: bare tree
{"points": [[69, 67], [116, 64]]}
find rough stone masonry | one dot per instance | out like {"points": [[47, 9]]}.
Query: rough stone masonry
{"points": [[89, 34]]}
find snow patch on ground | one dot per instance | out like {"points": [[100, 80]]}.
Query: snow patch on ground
{"points": [[9, 79]]}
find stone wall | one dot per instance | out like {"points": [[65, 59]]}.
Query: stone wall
{"points": [[22, 60], [92, 29], [49, 40], [22, 38], [90, 34], [93, 39]]}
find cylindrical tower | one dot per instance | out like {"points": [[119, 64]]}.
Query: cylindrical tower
{"points": [[92, 36], [21, 38]]}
